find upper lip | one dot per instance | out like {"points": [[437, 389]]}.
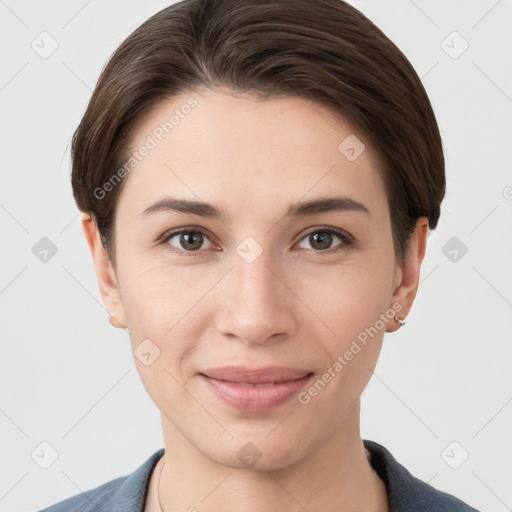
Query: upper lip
{"points": [[255, 375]]}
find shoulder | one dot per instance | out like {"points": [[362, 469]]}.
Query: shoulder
{"points": [[128, 492], [405, 491]]}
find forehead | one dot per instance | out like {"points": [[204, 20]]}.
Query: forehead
{"points": [[217, 145]]}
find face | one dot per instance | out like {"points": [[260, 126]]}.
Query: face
{"points": [[239, 312]]}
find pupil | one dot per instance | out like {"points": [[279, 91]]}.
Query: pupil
{"points": [[322, 238]]}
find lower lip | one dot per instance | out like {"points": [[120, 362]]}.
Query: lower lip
{"points": [[250, 397]]}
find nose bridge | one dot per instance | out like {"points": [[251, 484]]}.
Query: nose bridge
{"points": [[255, 306]]}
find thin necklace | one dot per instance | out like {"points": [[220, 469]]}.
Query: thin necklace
{"points": [[158, 488]]}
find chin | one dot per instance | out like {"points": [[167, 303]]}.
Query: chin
{"points": [[255, 453]]}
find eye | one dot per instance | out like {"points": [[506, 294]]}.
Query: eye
{"points": [[186, 240], [321, 239]]}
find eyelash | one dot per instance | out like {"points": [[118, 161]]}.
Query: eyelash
{"points": [[347, 240]]}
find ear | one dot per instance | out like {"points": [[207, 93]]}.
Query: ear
{"points": [[105, 273], [407, 277]]}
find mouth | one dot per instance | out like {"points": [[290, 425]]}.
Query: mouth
{"points": [[255, 389]]}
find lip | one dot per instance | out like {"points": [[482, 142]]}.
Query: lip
{"points": [[255, 389]]}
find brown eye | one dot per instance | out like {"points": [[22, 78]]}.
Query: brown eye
{"points": [[188, 241], [322, 239]]}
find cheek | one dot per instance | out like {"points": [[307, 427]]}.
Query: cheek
{"points": [[156, 296], [160, 314], [353, 305], [168, 306], [347, 300]]}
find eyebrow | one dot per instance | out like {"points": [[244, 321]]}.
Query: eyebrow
{"points": [[298, 209]]}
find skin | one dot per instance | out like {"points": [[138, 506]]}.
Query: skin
{"points": [[291, 306]]}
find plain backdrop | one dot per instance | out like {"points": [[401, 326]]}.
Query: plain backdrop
{"points": [[441, 396]]}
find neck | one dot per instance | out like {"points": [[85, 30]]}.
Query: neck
{"points": [[336, 476]]}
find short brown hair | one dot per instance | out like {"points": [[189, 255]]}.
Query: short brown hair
{"points": [[324, 50]]}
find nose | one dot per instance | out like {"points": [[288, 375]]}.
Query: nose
{"points": [[256, 302]]}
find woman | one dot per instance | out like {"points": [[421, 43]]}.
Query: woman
{"points": [[257, 181]]}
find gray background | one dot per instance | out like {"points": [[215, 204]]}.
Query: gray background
{"points": [[442, 389]]}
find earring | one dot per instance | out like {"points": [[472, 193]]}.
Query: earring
{"points": [[112, 314], [400, 321]]}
